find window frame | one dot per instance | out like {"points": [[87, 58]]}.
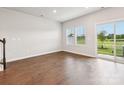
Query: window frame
{"points": [[83, 34], [75, 36]]}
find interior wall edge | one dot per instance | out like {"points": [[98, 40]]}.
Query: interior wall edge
{"points": [[80, 53], [26, 57]]}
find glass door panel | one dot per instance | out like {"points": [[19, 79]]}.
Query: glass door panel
{"points": [[119, 40], [105, 40]]}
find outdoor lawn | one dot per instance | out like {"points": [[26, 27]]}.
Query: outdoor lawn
{"points": [[80, 40], [108, 47]]}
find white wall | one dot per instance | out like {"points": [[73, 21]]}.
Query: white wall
{"points": [[28, 35], [89, 22]]}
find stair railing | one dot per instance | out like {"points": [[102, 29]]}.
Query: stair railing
{"points": [[3, 41]]}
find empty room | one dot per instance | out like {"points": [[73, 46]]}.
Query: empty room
{"points": [[61, 45]]}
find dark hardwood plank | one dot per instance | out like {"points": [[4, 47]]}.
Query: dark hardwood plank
{"points": [[62, 68]]}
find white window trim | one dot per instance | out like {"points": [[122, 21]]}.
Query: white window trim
{"points": [[75, 37]]}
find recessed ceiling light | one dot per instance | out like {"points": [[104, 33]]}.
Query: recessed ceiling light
{"points": [[54, 11], [41, 15]]}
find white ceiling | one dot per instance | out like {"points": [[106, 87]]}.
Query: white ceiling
{"points": [[62, 13]]}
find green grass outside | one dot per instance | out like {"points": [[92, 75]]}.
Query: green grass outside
{"points": [[80, 40], [108, 47]]}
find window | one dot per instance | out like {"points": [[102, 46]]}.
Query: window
{"points": [[70, 36], [75, 35], [80, 36]]}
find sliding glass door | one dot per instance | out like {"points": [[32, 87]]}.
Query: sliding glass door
{"points": [[119, 28], [105, 39], [110, 39]]}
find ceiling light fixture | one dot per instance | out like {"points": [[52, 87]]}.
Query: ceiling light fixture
{"points": [[54, 11], [41, 15]]}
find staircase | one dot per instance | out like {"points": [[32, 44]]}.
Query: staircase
{"points": [[3, 59]]}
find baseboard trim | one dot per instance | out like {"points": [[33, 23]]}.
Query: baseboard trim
{"points": [[45, 53], [22, 58], [79, 53]]}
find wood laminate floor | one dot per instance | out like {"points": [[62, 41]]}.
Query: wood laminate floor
{"points": [[62, 69]]}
